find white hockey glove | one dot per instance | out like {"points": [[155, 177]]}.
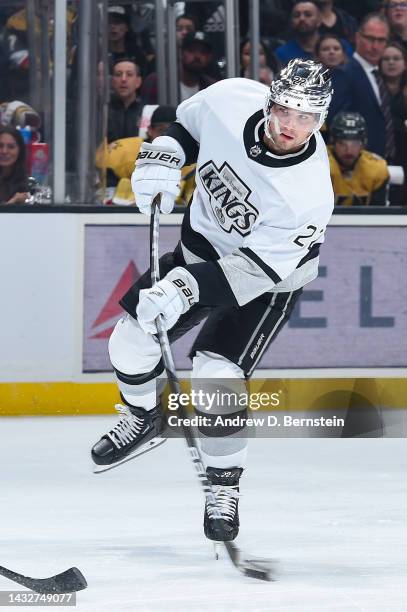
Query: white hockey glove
{"points": [[170, 297], [158, 170]]}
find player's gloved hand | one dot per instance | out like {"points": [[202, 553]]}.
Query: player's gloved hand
{"points": [[170, 297], [158, 170]]}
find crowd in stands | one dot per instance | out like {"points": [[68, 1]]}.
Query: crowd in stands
{"points": [[364, 44]]}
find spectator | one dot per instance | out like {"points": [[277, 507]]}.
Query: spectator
{"points": [[393, 65], [184, 25], [306, 19], [125, 106], [269, 65], [359, 177], [16, 46], [17, 49], [362, 88], [196, 55], [120, 156], [13, 172], [160, 121], [396, 13], [305, 23], [337, 21], [331, 52], [122, 42]]}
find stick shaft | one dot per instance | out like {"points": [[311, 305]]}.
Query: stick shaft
{"points": [[249, 568], [169, 365]]}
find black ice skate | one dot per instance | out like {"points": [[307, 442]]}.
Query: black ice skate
{"points": [[225, 485], [137, 432]]}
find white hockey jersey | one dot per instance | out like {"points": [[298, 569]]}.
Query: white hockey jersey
{"points": [[261, 217]]}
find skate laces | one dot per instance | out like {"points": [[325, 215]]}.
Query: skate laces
{"points": [[226, 501], [127, 428]]}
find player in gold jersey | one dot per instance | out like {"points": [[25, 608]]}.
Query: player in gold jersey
{"points": [[359, 177], [118, 159]]}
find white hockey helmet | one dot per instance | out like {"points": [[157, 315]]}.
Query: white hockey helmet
{"points": [[303, 85]]}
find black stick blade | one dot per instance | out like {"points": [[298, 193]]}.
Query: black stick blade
{"points": [[70, 581], [257, 568]]}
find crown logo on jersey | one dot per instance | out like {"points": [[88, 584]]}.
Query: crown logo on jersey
{"points": [[255, 150], [228, 197]]}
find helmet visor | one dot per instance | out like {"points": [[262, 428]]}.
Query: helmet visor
{"points": [[285, 117]]}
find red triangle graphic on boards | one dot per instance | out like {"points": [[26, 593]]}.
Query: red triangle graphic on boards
{"points": [[103, 335], [112, 307]]}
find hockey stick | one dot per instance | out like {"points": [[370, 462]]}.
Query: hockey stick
{"points": [[70, 581], [255, 568]]}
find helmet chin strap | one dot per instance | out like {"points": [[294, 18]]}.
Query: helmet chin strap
{"points": [[276, 127]]}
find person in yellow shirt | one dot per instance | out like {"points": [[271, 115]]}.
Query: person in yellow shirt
{"points": [[118, 159], [359, 177]]}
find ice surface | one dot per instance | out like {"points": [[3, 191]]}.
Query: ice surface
{"points": [[332, 512]]}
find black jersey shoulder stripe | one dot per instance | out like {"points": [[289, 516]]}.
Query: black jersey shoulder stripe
{"points": [[312, 253], [195, 242], [189, 144], [257, 151], [258, 261], [214, 289]]}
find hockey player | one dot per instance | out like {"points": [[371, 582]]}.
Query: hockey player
{"points": [[249, 243], [359, 177]]}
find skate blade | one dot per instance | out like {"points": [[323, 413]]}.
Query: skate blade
{"points": [[145, 448], [216, 549]]}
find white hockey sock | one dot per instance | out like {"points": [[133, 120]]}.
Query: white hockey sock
{"points": [[223, 452]]}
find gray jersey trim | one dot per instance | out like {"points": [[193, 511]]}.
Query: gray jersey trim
{"points": [[239, 269], [189, 256], [299, 277], [246, 279], [262, 264]]}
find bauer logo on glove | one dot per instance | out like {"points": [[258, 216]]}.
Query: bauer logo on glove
{"points": [[158, 170], [178, 282], [170, 298], [158, 157]]}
